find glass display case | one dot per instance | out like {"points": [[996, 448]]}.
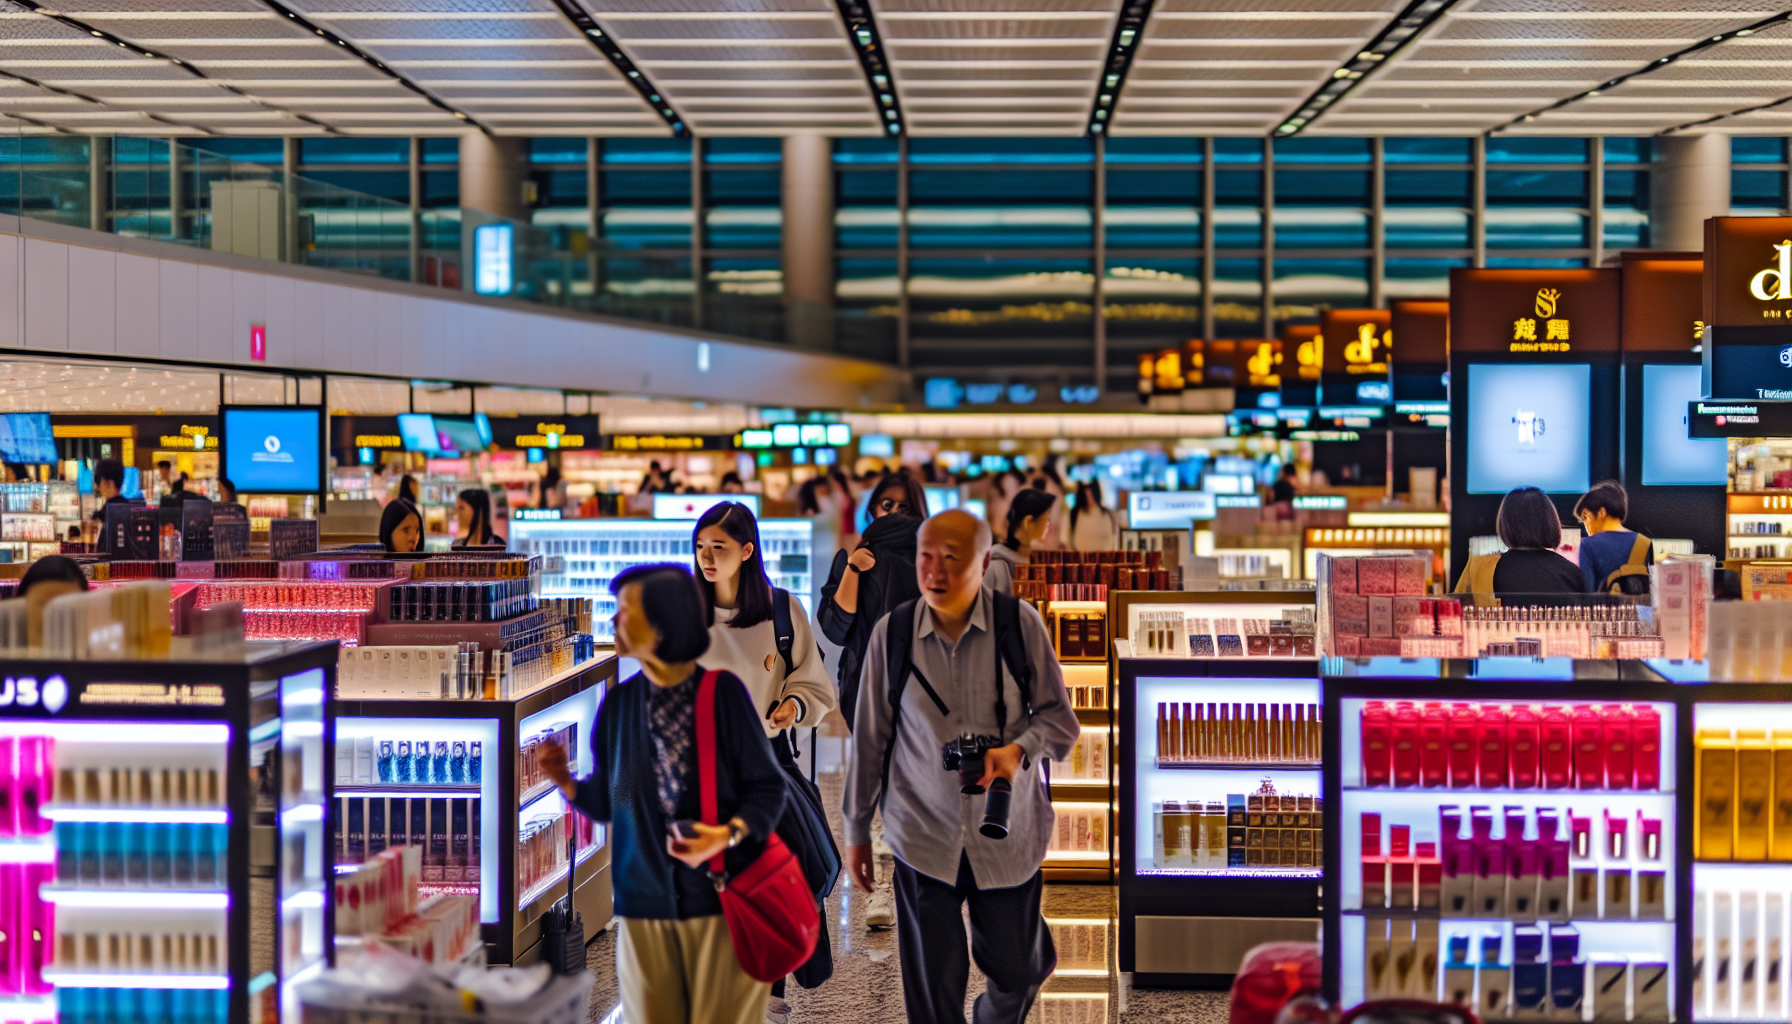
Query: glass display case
{"points": [[139, 869], [458, 777], [35, 518], [581, 556], [1219, 784], [1510, 844]]}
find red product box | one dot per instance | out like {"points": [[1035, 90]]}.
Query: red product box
{"points": [[1405, 744], [1347, 646], [1409, 575], [1378, 760], [1413, 617], [1399, 840], [1343, 576], [1381, 617], [1371, 828], [1449, 617], [1589, 748], [1522, 746], [1434, 746], [1490, 741], [1379, 647], [1400, 883], [1462, 742], [1355, 629], [1557, 748], [1350, 606], [1645, 746], [1620, 748], [1376, 576]]}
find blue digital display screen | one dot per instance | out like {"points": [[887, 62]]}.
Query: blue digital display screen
{"points": [[274, 450], [1529, 426], [418, 430], [459, 435], [25, 437], [1670, 457]]}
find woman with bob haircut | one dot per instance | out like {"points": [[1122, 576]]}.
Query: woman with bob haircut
{"points": [[1529, 527], [675, 959]]}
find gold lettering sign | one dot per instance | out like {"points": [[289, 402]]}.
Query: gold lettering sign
{"points": [[1780, 274], [187, 431], [1359, 355], [191, 442], [550, 428], [378, 441], [1262, 366], [1309, 357], [1555, 329], [653, 442]]}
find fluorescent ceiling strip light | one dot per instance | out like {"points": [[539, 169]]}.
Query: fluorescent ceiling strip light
{"points": [[586, 23], [41, 850], [868, 46], [1129, 33], [1408, 25]]}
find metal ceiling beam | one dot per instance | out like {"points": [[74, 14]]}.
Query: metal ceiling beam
{"points": [[1408, 25], [868, 47], [1129, 31], [586, 23], [1653, 66]]}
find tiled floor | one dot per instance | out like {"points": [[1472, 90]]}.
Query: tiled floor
{"points": [[867, 985]]}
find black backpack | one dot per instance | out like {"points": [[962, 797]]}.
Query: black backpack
{"points": [[1011, 650]]}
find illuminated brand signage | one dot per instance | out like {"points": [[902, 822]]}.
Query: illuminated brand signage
{"points": [[1774, 283], [1321, 503], [378, 441], [197, 439], [1522, 314], [1740, 419], [536, 515], [553, 435], [641, 442], [1262, 363], [27, 692], [1554, 337]]}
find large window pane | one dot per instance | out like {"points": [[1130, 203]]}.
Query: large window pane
{"points": [[1757, 149], [1626, 150], [744, 151], [557, 150], [1419, 227], [1519, 228], [866, 227], [393, 185], [1237, 227], [1153, 150], [1411, 278], [1237, 150], [1758, 190], [743, 227], [1626, 209], [1238, 298], [1316, 188], [1535, 262], [1537, 188], [1316, 149], [1510, 149], [1000, 151], [1429, 188], [45, 177], [865, 190], [657, 289], [647, 151], [866, 297], [1000, 298], [242, 151], [1303, 286], [1153, 209], [1000, 227], [1401, 150], [744, 297], [354, 151], [1310, 227], [1154, 300], [647, 227]]}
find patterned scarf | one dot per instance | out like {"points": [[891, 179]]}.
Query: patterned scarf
{"points": [[672, 720]]}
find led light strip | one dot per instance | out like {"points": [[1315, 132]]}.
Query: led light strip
{"points": [[632, 74], [1418, 16], [1657, 65], [28, 851], [130, 47], [1128, 31], [76, 979], [868, 46], [136, 899], [131, 815], [71, 731], [378, 65]]}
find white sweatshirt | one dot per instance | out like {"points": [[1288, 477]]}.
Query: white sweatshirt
{"points": [[752, 654]]}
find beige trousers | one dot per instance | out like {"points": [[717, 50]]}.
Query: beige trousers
{"points": [[684, 972]]}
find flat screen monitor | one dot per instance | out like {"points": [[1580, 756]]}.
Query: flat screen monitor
{"points": [[1529, 426], [1670, 458], [459, 434], [133, 484], [25, 437], [940, 499], [272, 449], [418, 431], [484, 423], [692, 506]]}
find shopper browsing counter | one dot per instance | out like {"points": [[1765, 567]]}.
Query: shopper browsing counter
{"points": [[401, 528], [1529, 527], [1612, 558], [1029, 523]]}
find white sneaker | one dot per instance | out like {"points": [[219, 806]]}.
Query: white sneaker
{"points": [[777, 1011], [880, 913]]}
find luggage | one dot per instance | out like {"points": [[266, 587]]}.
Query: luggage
{"points": [[1270, 975]]}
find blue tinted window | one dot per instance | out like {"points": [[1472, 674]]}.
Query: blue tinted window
{"points": [[1153, 187], [972, 187], [1238, 188], [1627, 188], [1153, 150], [441, 188], [1535, 263], [1001, 151], [1237, 227], [1322, 187], [757, 187], [1537, 188], [1429, 187], [744, 227], [647, 151], [1758, 188], [1544, 228], [1508, 149], [865, 188], [981, 298], [1305, 284], [1418, 227], [354, 151], [1238, 298], [648, 227], [557, 151], [1235, 150], [1155, 299], [1304, 227], [1153, 227], [1426, 151], [1626, 151], [561, 188], [866, 227], [441, 151], [1626, 227], [622, 188], [1000, 227], [743, 151], [1322, 150], [393, 185], [248, 151], [1757, 149], [1410, 278], [865, 151]]}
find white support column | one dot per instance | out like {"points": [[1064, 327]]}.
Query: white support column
{"points": [[492, 171], [1689, 181], [808, 240]]}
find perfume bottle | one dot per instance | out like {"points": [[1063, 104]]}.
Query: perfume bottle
{"points": [[457, 764], [439, 769], [475, 762], [385, 761], [420, 772], [401, 767]]}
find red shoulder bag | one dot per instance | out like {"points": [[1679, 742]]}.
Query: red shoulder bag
{"points": [[772, 915]]}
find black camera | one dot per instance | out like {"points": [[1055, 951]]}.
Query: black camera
{"points": [[964, 755]]}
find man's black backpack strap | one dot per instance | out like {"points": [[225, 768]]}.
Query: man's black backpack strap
{"points": [[781, 628], [899, 638], [1011, 650]]}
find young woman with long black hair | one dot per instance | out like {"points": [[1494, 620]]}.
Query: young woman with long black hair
{"points": [[1029, 523], [473, 509], [789, 687]]}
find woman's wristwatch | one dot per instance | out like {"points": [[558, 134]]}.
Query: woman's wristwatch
{"points": [[736, 832]]}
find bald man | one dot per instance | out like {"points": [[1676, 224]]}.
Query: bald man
{"points": [[955, 683]]}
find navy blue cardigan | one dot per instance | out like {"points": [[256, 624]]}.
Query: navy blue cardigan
{"points": [[648, 882]]}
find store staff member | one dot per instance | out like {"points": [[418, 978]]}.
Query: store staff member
{"points": [[108, 482], [1612, 558], [1531, 530]]}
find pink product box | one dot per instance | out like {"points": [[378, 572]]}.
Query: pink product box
{"points": [[1350, 606], [1413, 616], [1409, 576], [1379, 647], [1448, 612], [1381, 617], [1347, 646], [1344, 576], [1376, 576], [1350, 627]]}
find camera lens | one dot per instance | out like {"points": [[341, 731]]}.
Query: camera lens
{"points": [[995, 809]]}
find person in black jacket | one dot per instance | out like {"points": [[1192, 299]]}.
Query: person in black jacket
{"points": [[675, 960], [873, 578]]}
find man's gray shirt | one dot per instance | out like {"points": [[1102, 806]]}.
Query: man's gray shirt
{"points": [[927, 821]]}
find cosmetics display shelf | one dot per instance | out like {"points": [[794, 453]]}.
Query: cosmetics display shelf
{"points": [[176, 841], [1082, 787], [1576, 909], [1196, 884], [493, 827]]}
